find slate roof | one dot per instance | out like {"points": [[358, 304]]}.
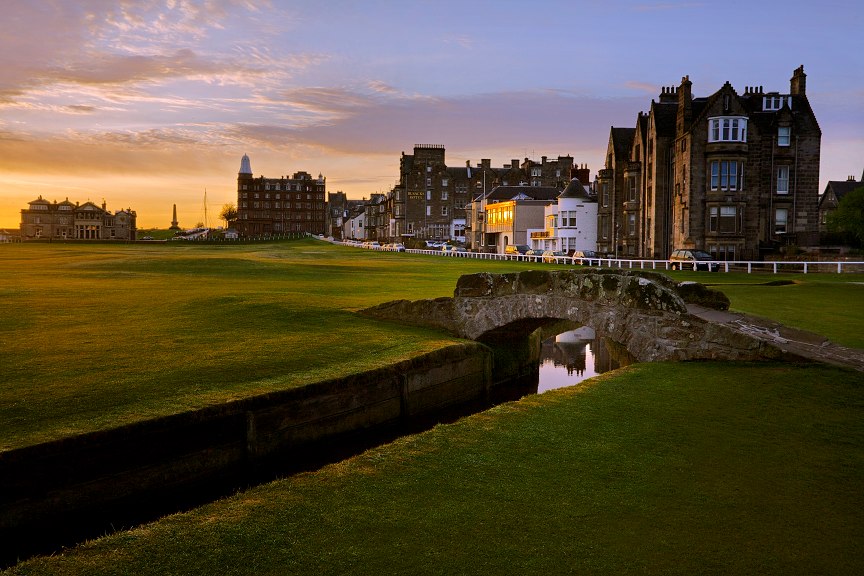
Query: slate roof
{"points": [[504, 193], [842, 187], [622, 140], [575, 189], [665, 118]]}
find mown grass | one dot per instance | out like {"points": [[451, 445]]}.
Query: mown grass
{"points": [[827, 304], [661, 468], [95, 336], [695, 468]]}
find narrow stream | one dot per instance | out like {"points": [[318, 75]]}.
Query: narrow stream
{"points": [[573, 356], [566, 359]]}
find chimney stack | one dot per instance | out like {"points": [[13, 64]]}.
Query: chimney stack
{"points": [[798, 84]]}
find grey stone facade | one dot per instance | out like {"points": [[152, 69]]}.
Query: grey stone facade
{"points": [[432, 200], [736, 175]]}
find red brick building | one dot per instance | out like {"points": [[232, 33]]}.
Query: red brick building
{"points": [[276, 206]]}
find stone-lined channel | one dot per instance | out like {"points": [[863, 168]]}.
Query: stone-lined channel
{"points": [[60, 493]]}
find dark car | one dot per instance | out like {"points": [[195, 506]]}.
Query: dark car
{"points": [[692, 260]]}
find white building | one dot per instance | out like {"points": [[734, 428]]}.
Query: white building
{"points": [[355, 227], [571, 222]]}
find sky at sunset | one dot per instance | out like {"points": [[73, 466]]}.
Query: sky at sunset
{"points": [[149, 103]]}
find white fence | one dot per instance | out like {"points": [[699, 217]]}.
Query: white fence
{"points": [[723, 266]]}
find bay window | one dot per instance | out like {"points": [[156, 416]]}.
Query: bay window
{"points": [[727, 175], [727, 129], [723, 219]]}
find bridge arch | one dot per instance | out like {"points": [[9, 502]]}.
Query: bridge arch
{"points": [[642, 311]]}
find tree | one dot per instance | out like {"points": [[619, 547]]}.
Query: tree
{"points": [[228, 214], [848, 218]]}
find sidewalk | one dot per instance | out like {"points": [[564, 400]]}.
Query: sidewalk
{"points": [[799, 342]]}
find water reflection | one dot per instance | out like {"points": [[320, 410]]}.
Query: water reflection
{"points": [[573, 356]]}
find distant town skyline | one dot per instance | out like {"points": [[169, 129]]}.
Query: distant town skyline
{"points": [[146, 104]]}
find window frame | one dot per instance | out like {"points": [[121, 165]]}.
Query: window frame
{"points": [[726, 175], [727, 129], [724, 219], [783, 178], [785, 229]]}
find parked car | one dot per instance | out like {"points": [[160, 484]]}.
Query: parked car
{"points": [[514, 249], [397, 247], [686, 259], [580, 256], [554, 257], [534, 252]]}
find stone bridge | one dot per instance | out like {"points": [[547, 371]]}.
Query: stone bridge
{"points": [[645, 312]]}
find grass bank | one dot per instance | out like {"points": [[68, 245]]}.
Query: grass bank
{"points": [[98, 335], [695, 468]]}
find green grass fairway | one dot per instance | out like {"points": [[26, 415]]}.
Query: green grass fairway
{"points": [[694, 468], [98, 335]]}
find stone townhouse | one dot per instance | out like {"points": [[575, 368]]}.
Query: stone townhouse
{"points": [[376, 217], [73, 221], [275, 206], [736, 175], [432, 200], [834, 192]]}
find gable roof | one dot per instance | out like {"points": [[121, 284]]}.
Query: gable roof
{"points": [[622, 140], [842, 187], [665, 117], [575, 189]]}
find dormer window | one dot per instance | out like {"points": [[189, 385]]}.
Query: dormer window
{"points": [[727, 129], [775, 102]]}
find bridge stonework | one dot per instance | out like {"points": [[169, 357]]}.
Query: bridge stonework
{"points": [[642, 311]]}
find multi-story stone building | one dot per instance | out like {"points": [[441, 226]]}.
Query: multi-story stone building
{"points": [[736, 175], [431, 198], [68, 221], [376, 217], [274, 206]]}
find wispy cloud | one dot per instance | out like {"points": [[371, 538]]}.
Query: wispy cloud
{"points": [[461, 40], [645, 87], [666, 6]]}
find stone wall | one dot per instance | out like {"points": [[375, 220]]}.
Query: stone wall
{"points": [[59, 492], [642, 311]]}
